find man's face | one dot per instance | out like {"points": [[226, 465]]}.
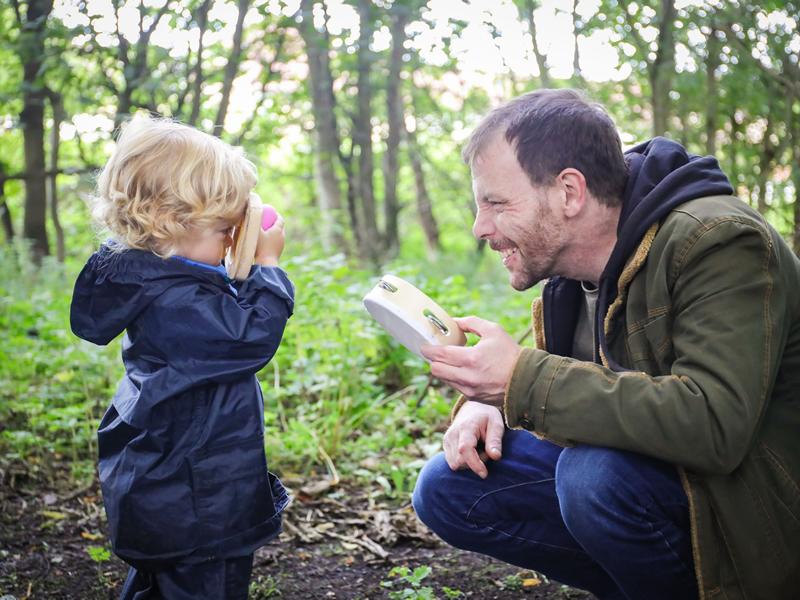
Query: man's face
{"points": [[520, 221]]}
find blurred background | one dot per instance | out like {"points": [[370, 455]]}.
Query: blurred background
{"points": [[354, 112]]}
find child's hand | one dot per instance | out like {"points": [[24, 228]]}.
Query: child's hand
{"points": [[270, 244]]}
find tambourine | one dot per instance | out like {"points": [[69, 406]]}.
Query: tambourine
{"points": [[410, 316], [242, 251]]}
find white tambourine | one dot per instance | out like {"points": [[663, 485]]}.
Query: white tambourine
{"points": [[411, 317]]}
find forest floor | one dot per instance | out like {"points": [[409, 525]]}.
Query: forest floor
{"points": [[337, 542]]}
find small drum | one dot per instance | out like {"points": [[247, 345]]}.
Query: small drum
{"points": [[242, 252], [410, 316]]}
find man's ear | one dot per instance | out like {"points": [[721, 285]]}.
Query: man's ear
{"points": [[573, 186]]}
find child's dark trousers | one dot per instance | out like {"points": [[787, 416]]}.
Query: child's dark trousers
{"points": [[226, 579]]}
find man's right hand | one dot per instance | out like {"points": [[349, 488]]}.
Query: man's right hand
{"points": [[474, 423]]}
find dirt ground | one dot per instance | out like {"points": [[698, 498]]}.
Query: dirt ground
{"points": [[337, 543]]}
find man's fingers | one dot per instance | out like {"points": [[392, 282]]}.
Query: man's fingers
{"points": [[474, 462], [451, 355], [454, 376], [494, 438], [475, 325]]}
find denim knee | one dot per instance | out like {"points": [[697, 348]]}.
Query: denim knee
{"points": [[587, 488], [429, 498]]}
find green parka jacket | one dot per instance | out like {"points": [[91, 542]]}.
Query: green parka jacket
{"points": [[707, 319]]}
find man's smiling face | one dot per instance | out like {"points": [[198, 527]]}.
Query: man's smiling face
{"points": [[519, 220]]}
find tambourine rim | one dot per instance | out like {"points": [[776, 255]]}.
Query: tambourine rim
{"points": [[382, 298], [237, 265]]}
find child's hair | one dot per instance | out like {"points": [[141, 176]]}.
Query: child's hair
{"points": [[166, 179]]}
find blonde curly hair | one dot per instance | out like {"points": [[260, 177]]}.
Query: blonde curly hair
{"points": [[166, 180]]}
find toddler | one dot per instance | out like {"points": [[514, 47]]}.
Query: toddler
{"points": [[181, 448]]}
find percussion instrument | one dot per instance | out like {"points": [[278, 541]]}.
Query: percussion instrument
{"points": [[242, 251], [410, 316]]}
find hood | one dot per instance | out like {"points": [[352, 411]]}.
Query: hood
{"points": [[115, 286], [661, 176]]}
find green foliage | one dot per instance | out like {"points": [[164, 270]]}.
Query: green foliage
{"points": [[262, 587], [412, 582], [98, 554], [511, 583], [53, 389]]}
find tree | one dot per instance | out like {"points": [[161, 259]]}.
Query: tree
{"points": [[326, 136], [33, 30]]}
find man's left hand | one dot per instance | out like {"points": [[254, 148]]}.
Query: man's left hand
{"points": [[480, 372]]}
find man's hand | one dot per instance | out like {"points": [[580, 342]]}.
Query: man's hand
{"points": [[480, 372], [474, 423]]}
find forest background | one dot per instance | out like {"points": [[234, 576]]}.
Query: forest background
{"points": [[354, 112]]}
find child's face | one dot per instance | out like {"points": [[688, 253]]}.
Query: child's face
{"points": [[207, 245]]}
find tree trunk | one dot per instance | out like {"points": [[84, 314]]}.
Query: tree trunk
{"points": [[424, 207], [362, 134], [394, 110], [5, 212], [541, 60], [712, 93], [32, 123], [268, 75], [733, 151], [662, 68], [796, 182], [794, 153], [326, 136], [55, 140], [577, 74], [231, 68], [135, 69], [197, 71]]}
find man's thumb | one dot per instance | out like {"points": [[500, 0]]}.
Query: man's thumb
{"points": [[494, 439]]}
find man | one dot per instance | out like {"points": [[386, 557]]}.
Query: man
{"points": [[663, 393]]}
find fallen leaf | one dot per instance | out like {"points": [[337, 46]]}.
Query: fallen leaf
{"points": [[53, 514], [531, 582], [91, 536], [317, 487]]}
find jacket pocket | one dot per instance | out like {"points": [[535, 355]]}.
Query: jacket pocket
{"points": [[231, 486]]}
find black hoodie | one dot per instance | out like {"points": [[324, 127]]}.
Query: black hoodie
{"points": [[661, 176]]}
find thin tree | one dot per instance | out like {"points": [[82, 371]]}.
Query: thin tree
{"points": [[231, 67], [326, 137], [32, 52]]}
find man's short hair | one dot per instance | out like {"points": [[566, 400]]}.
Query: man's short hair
{"points": [[552, 130]]}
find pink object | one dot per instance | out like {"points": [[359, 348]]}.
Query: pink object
{"points": [[268, 217]]}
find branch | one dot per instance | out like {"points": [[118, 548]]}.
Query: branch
{"points": [[15, 4], [267, 79], [638, 41], [61, 171], [790, 84]]}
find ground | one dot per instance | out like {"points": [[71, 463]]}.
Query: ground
{"points": [[338, 542]]}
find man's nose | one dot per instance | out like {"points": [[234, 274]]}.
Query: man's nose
{"points": [[482, 228]]}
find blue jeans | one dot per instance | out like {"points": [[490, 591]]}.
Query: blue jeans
{"points": [[608, 521]]}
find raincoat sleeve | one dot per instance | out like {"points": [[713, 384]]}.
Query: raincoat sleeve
{"points": [[211, 336]]}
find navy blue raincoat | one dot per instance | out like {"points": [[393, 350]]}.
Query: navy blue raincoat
{"points": [[181, 448]]}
